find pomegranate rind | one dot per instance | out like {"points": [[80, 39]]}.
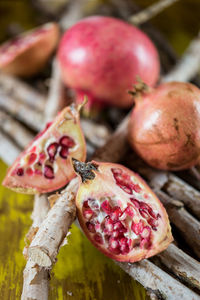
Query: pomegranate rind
{"points": [[31, 56], [67, 123], [104, 185], [97, 51], [164, 126]]}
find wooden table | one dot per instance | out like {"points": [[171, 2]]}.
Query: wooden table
{"points": [[81, 272]]}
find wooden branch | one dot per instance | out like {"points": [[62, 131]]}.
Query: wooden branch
{"points": [[157, 281], [21, 135], [187, 225], [150, 12], [188, 66], [36, 278], [55, 100], [47, 241], [181, 265], [23, 112], [8, 150], [21, 92]]}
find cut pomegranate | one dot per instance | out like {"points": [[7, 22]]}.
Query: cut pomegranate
{"points": [[27, 54], [45, 165], [115, 222]]}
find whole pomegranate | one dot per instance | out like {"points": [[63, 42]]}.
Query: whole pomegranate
{"points": [[102, 57], [164, 126], [45, 165], [119, 213]]}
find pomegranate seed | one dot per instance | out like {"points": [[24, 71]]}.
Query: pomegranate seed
{"points": [[105, 206], [88, 213], [113, 243], [97, 226], [129, 211], [145, 243], [115, 234], [116, 171], [98, 238], [38, 172], [153, 223], [29, 171], [48, 172], [136, 187], [67, 142], [93, 203], [144, 206], [20, 172], [64, 152], [32, 158], [109, 225], [144, 213], [124, 245], [135, 202], [91, 227], [126, 189], [52, 150], [85, 204], [146, 232], [42, 157], [137, 227], [120, 227], [116, 213]]}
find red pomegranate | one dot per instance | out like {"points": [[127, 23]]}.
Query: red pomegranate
{"points": [[45, 165], [164, 126], [27, 54], [119, 213], [102, 57]]}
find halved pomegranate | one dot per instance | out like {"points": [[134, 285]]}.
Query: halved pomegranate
{"points": [[119, 213], [27, 54], [45, 165]]}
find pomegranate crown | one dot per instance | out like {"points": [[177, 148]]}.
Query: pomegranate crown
{"points": [[85, 170], [139, 88]]}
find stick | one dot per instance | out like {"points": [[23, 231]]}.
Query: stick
{"points": [[47, 241], [157, 281], [36, 278], [150, 12], [21, 135], [8, 150], [21, 91], [55, 100]]}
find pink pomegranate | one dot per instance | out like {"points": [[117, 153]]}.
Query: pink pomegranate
{"points": [[102, 57], [164, 127], [45, 165], [119, 213], [27, 54]]}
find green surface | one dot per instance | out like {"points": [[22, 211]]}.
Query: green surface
{"points": [[81, 269]]}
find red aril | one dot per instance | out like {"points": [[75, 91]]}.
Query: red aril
{"points": [[42, 167], [27, 53], [111, 217], [164, 126], [102, 57]]}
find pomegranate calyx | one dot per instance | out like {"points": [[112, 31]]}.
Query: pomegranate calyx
{"points": [[85, 170], [139, 89]]}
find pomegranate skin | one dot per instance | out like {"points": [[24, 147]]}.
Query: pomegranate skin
{"points": [[102, 56], [164, 126], [113, 206]]}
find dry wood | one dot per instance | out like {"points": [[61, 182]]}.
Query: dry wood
{"points": [[55, 100], [47, 241], [36, 278], [187, 225], [158, 281], [21, 92], [24, 113], [151, 11], [8, 150], [21, 135]]}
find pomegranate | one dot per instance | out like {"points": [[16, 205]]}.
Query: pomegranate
{"points": [[45, 165], [164, 126], [27, 54], [119, 213], [102, 56]]}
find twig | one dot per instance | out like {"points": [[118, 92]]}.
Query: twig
{"points": [[151, 11], [157, 281], [188, 66], [187, 225], [55, 100], [21, 135], [36, 278], [8, 150], [21, 91], [47, 241]]}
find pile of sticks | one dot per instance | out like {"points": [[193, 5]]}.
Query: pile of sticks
{"points": [[172, 274]]}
